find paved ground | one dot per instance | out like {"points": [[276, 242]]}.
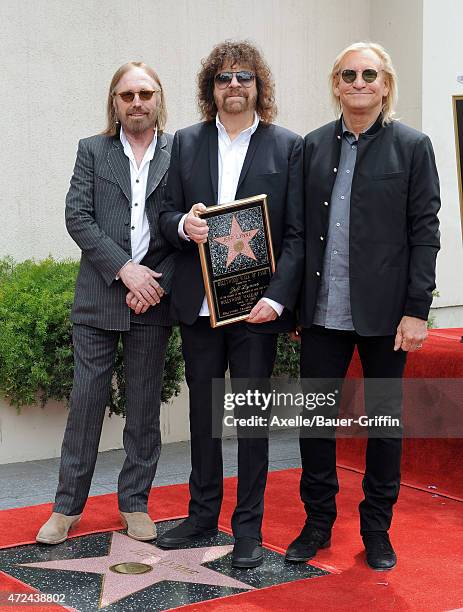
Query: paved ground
{"points": [[34, 482]]}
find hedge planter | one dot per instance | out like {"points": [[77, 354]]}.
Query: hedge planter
{"points": [[36, 365]]}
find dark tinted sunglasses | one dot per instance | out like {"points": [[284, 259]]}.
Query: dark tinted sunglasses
{"points": [[369, 75], [144, 95], [244, 77]]}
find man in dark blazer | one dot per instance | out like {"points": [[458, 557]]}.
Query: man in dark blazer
{"points": [[112, 213], [235, 153], [371, 203]]}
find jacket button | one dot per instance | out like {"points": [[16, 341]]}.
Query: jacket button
{"points": [[335, 169], [318, 273], [321, 238], [338, 137], [325, 203]]}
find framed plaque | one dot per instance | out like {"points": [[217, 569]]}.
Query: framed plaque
{"points": [[237, 260], [458, 122]]}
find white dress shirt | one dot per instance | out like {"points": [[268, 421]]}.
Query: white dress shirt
{"points": [[231, 159], [140, 230]]}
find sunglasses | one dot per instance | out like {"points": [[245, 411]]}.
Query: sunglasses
{"points": [[144, 95], [244, 77], [369, 75]]}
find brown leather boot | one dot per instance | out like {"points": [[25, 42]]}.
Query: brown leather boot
{"points": [[56, 529], [139, 525]]}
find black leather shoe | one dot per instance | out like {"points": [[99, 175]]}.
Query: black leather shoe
{"points": [[182, 534], [307, 543], [379, 552], [247, 552]]}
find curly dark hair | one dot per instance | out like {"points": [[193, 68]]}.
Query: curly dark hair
{"points": [[236, 52]]}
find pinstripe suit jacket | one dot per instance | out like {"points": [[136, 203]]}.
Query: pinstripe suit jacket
{"points": [[98, 219]]}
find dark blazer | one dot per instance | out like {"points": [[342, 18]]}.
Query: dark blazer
{"points": [[98, 219], [273, 165], [394, 235]]}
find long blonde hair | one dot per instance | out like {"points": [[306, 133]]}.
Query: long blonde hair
{"points": [[111, 119], [390, 101]]}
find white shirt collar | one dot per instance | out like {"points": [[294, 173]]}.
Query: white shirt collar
{"points": [[247, 132], [149, 154]]}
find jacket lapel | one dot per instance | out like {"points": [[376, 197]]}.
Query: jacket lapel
{"points": [[335, 148], [254, 144], [120, 166], [214, 160], [158, 165]]}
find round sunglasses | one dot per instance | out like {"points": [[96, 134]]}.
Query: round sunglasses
{"points": [[369, 75]]}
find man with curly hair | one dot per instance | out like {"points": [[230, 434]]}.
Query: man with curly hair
{"points": [[236, 152]]}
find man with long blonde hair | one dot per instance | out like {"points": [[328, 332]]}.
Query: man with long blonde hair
{"points": [[112, 212], [371, 203]]}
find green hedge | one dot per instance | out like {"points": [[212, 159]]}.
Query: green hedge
{"points": [[36, 360]]}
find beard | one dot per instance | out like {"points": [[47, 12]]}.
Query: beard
{"points": [[138, 125], [235, 105]]}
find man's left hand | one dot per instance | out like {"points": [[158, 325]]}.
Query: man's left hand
{"points": [[411, 334], [135, 304], [261, 313]]}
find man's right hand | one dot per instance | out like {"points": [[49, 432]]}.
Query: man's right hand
{"points": [[141, 281], [194, 227]]}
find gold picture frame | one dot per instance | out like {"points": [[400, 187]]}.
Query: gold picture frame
{"points": [[238, 260], [457, 102]]}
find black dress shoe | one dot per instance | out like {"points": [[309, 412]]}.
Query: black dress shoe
{"points": [[307, 543], [379, 552], [247, 552], [182, 534]]}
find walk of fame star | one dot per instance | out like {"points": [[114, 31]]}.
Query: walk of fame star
{"points": [[184, 565], [238, 241]]}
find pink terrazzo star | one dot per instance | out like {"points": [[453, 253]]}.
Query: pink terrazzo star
{"points": [[238, 241], [184, 565]]}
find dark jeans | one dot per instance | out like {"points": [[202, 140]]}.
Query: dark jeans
{"points": [[326, 354], [208, 354]]}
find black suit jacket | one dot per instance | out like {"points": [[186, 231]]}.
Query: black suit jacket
{"points": [[394, 235], [273, 165], [98, 219]]}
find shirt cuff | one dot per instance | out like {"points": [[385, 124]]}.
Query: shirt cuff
{"points": [[278, 308], [181, 231]]}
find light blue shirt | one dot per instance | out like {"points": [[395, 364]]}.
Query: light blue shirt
{"points": [[333, 304]]}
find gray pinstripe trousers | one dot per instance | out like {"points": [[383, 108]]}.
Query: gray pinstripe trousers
{"points": [[144, 348]]}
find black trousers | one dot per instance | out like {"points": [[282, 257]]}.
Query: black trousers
{"points": [[326, 354], [208, 353], [144, 349]]}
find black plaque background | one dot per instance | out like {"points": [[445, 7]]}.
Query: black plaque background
{"points": [[259, 275], [257, 281]]}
